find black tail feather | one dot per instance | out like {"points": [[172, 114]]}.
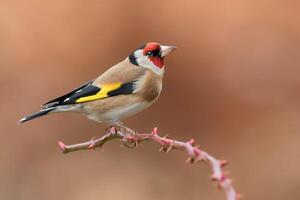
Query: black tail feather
{"points": [[35, 115]]}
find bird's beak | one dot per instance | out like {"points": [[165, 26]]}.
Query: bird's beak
{"points": [[165, 50]]}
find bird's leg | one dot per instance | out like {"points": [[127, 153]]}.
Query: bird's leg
{"points": [[124, 129], [121, 127]]}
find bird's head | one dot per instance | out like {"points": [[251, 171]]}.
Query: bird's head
{"points": [[151, 56]]}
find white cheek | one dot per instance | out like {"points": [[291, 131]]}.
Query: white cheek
{"points": [[145, 62]]}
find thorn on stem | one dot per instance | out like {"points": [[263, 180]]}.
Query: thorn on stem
{"points": [[213, 178], [61, 145], [165, 137], [155, 131], [161, 149], [91, 146], [190, 160], [223, 163], [197, 153], [191, 141]]}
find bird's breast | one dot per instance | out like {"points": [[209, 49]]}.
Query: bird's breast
{"points": [[149, 86], [117, 112]]}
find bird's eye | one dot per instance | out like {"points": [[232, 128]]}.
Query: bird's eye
{"points": [[154, 53], [150, 53]]}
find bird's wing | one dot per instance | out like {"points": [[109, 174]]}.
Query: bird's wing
{"points": [[89, 92], [118, 80]]}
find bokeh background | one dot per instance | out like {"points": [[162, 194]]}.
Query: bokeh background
{"points": [[233, 85]]}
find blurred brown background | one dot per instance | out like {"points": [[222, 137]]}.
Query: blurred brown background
{"points": [[233, 85]]}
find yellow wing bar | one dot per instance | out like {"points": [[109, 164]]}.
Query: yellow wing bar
{"points": [[102, 93]]}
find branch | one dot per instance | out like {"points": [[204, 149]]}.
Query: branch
{"points": [[131, 139]]}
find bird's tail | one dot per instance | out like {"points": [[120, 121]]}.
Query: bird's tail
{"points": [[37, 114]]}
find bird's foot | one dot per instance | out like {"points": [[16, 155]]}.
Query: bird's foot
{"points": [[110, 127], [128, 141], [122, 128]]}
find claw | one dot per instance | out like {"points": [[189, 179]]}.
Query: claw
{"points": [[129, 146], [113, 130], [169, 148]]}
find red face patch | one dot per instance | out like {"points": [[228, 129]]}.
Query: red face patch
{"points": [[156, 60], [159, 62]]}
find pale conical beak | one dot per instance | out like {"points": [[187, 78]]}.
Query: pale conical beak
{"points": [[165, 50]]}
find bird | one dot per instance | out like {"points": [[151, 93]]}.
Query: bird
{"points": [[122, 91]]}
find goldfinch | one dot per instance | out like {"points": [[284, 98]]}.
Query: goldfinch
{"points": [[122, 91]]}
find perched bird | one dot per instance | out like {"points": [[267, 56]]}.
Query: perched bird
{"points": [[122, 91]]}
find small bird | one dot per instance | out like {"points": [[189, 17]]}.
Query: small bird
{"points": [[120, 92]]}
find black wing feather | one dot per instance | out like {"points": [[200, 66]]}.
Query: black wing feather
{"points": [[126, 88], [87, 90]]}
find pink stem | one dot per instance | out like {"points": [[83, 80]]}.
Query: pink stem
{"points": [[194, 152]]}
